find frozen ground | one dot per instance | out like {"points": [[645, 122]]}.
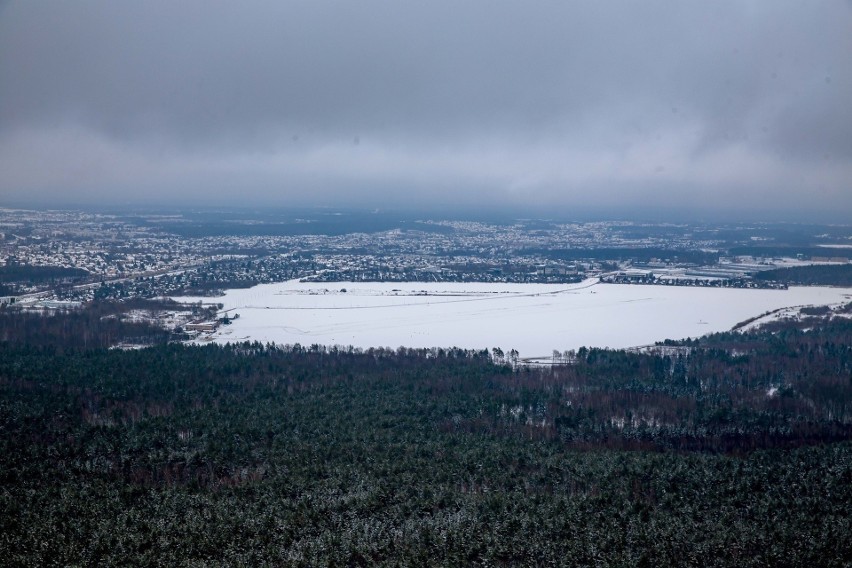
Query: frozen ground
{"points": [[535, 319]]}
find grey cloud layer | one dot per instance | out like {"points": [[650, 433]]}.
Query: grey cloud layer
{"points": [[667, 104]]}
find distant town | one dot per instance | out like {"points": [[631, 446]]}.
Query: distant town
{"points": [[61, 259]]}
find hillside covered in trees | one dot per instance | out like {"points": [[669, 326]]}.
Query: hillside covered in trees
{"points": [[735, 450]]}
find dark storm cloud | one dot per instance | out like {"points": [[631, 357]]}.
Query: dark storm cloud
{"points": [[671, 105]]}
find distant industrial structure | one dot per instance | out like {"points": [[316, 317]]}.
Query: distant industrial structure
{"points": [[202, 326]]}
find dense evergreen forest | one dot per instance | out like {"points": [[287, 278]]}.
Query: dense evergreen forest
{"points": [[734, 450]]}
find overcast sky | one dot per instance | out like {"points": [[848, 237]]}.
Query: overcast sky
{"points": [[680, 107]]}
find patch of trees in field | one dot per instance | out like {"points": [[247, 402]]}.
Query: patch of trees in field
{"points": [[791, 250], [635, 254], [814, 275], [98, 324], [736, 452], [26, 274]]}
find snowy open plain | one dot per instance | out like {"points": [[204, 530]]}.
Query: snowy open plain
{"points": [[535, 319]]}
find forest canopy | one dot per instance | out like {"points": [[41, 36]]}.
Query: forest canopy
{"points": [[734, 450]]}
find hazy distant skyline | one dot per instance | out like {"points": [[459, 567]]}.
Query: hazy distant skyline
{"points": [[719, 109]]}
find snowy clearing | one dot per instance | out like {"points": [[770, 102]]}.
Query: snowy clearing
{"points": [[535, 319]]}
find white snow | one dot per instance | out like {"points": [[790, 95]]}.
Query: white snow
{"points": [[532, 318]]}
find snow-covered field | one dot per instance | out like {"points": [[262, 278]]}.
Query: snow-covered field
{"points": [[535, 319]]}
